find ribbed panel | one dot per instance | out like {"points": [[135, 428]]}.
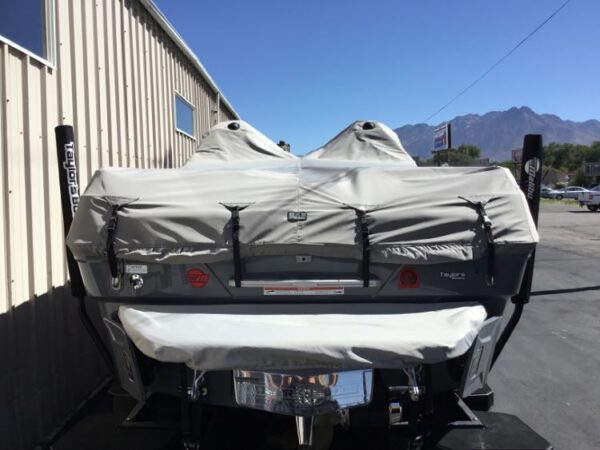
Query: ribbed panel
{"points": [[115, 77]]}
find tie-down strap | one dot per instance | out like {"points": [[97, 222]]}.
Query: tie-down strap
{"points": [[235, 242], [363, 228], [111, 229], [489, 235]]}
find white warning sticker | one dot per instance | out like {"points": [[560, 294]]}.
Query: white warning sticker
{"points": [[140, 269], [322, 290]]}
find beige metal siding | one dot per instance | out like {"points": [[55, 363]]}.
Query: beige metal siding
{"points": [[116, 74], [226, 114], [115, 79]]}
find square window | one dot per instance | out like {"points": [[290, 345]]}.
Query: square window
{"points": [[184, 116], [29, 25]]}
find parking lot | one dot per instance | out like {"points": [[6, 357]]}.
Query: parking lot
{"points": [[567, 227], [548, 373]]}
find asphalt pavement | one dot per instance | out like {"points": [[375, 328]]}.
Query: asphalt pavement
{"points": [[548, 374], [567, 227]]}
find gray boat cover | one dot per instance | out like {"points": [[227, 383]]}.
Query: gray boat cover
{"points": [[236, 140], [374, 142], [415, 214], [294, 337]]}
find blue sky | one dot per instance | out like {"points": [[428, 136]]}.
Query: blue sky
{"points": [[303, 70]]}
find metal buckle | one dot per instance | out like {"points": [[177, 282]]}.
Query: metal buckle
{"points": [[115, 283], [195, 390]]}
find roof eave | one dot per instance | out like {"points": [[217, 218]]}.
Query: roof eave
{"points": [[175, 36]]}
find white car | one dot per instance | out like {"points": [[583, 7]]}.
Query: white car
{"points": [[567, 192], [591, 198]]}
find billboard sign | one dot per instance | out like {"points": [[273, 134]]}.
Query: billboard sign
{"points": [[441, 138], [517, 156], [591, 169]]}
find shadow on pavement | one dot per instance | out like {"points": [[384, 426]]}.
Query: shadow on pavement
{"points": [[566, 291]]}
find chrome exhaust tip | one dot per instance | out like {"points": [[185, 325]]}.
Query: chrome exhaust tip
{"points": [[304, 427], [303, 394]]}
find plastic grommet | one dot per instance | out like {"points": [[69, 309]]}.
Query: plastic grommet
{"points": [[368, 125]]}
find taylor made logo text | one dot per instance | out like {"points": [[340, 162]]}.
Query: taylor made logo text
{"points": [[532, 167], [71, 171], [456, 276]]}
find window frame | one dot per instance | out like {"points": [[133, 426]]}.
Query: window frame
{"points": [[192, 107], [49, 34]]}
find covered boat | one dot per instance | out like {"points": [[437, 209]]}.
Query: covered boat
{"points": [[313, 270], [243, 211]]}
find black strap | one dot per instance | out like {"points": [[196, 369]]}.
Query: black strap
{"points": [[111, 228], [235, 240], [364, 237], [489, 235], [487, 226]]}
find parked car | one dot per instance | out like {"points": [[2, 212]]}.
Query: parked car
{"points": [[567, 192], [545, 192], [590, 199]]}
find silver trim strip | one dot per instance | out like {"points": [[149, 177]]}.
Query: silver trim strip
{"points": [[337, 283]]}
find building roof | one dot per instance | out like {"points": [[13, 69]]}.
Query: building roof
{"points": [[176, 37]]}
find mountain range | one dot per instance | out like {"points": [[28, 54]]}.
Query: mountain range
{"points": [[498, 132]]}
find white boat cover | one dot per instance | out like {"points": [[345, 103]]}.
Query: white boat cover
{"points": [[240, 144], [294, 337], [415, 214], [360, 143]]}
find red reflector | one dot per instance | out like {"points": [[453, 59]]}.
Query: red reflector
{"points": [[408, 278], [197, 278]]}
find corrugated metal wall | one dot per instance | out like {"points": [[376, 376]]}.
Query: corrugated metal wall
{"points": [[115, 77]]}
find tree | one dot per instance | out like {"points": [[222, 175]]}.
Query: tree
{"points": [[580, 179], [570, 157], [462, 154], [469, 152]]}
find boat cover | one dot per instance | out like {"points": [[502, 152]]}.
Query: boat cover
{"points": [[294, 337], [241, 142], [374, 142], [310, 205]]}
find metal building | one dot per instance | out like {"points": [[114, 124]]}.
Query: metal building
{"points": [[137, 96]]}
